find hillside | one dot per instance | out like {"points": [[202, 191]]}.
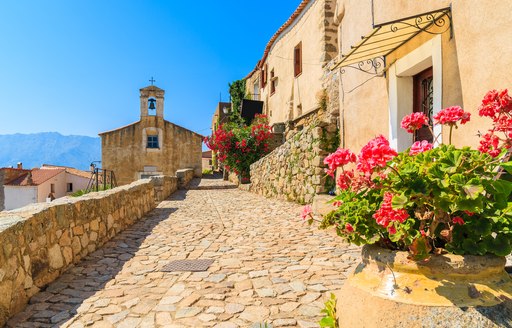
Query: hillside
{"points": [[49, 148]]}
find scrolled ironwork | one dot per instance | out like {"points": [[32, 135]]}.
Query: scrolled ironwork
{"points": [[373, 66], [425, 22]]}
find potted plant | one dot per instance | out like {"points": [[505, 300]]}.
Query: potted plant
{"points": [[433, 212]]}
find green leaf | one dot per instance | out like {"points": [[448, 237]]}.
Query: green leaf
{"points": [[501, 245], [420, 249], [326, 322], [503, 187], [473, 191], [398, 201], [507, 166], [470, 247]]}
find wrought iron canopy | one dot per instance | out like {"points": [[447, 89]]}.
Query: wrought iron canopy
{"points": [[370, 53]]}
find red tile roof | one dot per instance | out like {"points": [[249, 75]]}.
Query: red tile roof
{"points": [[273, 39], [70, 170], [38, 176], [207, 154]]}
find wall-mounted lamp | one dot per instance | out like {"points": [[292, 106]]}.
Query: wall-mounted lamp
{"points": [[225, 110]]}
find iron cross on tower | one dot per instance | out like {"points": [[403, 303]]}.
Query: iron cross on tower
{"points": [[152, 80]]}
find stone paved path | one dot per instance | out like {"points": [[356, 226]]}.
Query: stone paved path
{"points": [[269, 267]]}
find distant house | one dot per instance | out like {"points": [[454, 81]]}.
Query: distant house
{"points": [[75, 179], [151, 146], [207, 160], [22, 187]]}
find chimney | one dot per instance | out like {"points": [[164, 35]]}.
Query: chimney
{"points": [[20, 166]]}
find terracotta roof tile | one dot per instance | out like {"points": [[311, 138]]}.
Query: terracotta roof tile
{"points": [[38, 177], [70, 170]]}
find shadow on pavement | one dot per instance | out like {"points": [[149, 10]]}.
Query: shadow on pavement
{"points": [[59, 301]]}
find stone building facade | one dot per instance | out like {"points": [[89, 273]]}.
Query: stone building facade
{"points": [[301, 99], [464, 51], [289, 76], [151, 146]]}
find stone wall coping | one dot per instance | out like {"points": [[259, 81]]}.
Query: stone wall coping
{"points": [[10, 218]]}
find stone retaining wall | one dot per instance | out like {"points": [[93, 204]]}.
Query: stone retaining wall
{"points": [[184, 177], [295, 170], [164, 186], [40, 241]]}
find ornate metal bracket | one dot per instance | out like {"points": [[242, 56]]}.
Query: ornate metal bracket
{"points": [[369, 54], [373, 66]]}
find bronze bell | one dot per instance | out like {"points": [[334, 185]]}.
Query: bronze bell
{"points": [[152, 103]]}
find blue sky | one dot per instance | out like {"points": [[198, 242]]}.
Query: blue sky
{"points": [[75, 67]]}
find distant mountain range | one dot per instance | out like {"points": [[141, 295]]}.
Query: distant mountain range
{"points": [[36, 149]]}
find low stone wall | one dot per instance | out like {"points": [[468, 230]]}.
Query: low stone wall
{"points": [[184, 177], [295, 170], [40, 241], [164, 186]]}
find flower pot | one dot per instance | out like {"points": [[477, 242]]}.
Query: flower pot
{"points": [[389, 290]]}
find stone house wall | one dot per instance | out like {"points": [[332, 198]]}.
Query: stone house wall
{"points": [[41, 241], [311, 28], [467, 61]]}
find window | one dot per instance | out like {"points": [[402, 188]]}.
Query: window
{"points": [[272, 82], [210, 162], [256, 90], [70, 187], [423, 102], [297, 59], [52, 188], [152, 141], [264, 76]]}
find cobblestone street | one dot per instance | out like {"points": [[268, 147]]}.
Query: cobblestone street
{"points": [[269, 267]]}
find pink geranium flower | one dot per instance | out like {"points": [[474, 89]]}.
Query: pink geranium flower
{"points": [[414, 121], [452, 115], [375, 154], [386, 214], [420, 147], [339, 158], [306, 211]]}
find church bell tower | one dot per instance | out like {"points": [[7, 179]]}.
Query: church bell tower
{"points": [[151, 101]]}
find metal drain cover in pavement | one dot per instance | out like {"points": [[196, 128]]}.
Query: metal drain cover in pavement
{"points": [[188, 265]]}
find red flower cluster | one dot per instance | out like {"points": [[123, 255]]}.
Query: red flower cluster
{"points": [[375, 154], [420, 147], [345, 180], [339, 158], [451, 115], [238, 147], [495, 103], [386, 214], [458, 220], [498, 106], [414, 122]]}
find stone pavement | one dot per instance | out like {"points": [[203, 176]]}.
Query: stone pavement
{"points": [[269, 267]]}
